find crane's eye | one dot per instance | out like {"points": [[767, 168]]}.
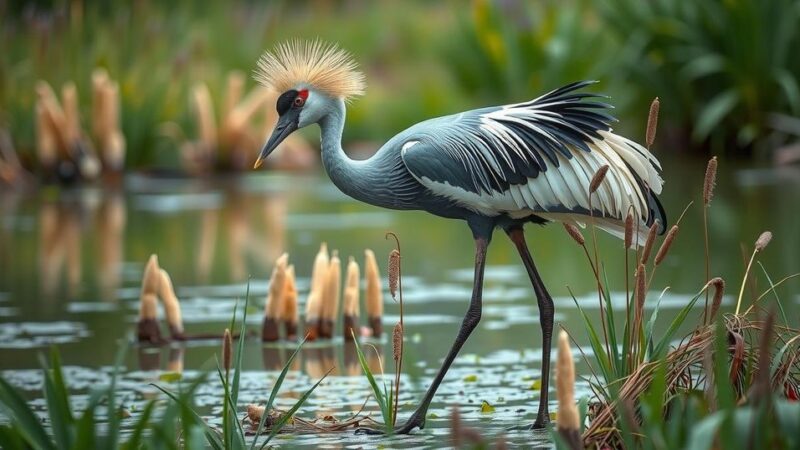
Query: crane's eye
{"points": [[299, 101]]}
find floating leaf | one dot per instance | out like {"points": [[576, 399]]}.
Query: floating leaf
{"points": [[536, 385], [170, 377], [433, 416], [486, 408], [470, 378]]}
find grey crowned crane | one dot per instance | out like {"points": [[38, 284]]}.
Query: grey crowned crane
{"points": [[496, 167]]}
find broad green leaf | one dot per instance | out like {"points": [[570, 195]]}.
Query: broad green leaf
{"points": [[713, 113], [26, 422]]}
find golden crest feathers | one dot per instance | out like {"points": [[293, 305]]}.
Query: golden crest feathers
{"points": [[323, 66]]}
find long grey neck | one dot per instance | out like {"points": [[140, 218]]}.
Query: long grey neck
{"points": [[378, 180]]}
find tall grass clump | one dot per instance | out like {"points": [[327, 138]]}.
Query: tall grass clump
{"points": [[732, 381]]}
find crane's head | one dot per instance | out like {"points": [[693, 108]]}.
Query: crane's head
{"points": [[311, 77]]}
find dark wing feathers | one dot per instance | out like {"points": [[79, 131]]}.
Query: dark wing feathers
{"points": [[498, 147]]}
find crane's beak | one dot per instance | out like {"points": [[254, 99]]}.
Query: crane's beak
{"points": [[287, 124]]}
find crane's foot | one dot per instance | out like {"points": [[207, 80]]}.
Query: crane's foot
{"points": [[413, 422], [542, 422]]}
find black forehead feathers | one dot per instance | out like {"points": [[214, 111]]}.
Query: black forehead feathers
{"points": [[285, 101]]}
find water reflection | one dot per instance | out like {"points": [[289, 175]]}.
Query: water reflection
{"points": [[62, 224], [149, 358]]}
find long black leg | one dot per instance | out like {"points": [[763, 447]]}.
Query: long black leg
{"points": [[546, 312], [469, 323]]}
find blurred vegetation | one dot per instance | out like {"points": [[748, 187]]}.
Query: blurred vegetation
{"points": [[723, 69]]}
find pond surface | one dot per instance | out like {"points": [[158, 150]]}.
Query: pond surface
{"points": [[72, 260]]}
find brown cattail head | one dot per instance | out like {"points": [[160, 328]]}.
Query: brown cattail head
{"points": [[575, 233], [69, 101], [568, 418], [629, 230], [397, 342], [151, 279], [763, 240], [719, 290], [227, 350], [277, 286], [598, 178], [374, 291], [332, 291], [394, 272], [351, 289], [648, 244], [255, 412], [664, 249], [289, 309], [172, 307], [710, 181], [652, 122]]}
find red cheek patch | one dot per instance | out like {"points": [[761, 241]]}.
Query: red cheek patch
{"points": [[303, 93]]}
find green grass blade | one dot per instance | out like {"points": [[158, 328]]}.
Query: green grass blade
{"points": [[56, 397], [374, 384], [775, 293], [597, 346], [28, 425], [11, 439], [212, 437], [237, 363], [285, 418], [274, 392], [619, 363], [648, 329], [673, 327], [229, 415], [135, 439]]}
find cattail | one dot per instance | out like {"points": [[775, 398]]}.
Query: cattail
{"points": [[233, 92], [710, 181], [100, 117], [147, 327], [374, 293], [53, 115], [314, 300], [45, 140], [206, 124], [151, 278], [648, 244], [272, 311], [719, 290], [351, 299], [664, 249], [148, 307], [763, 240], [598, 178], [573, 231], [172, 307], [397, 342], [288, 313], [69, 102], [114, 142], [652, 123], [394, 272], [629, 230], [330, 297], [568, 425], [227, 351]]}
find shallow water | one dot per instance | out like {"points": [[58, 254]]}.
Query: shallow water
{"points": [[72, 259]]}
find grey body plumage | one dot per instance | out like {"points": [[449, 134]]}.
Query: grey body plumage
{"points": [[497, 167]]}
